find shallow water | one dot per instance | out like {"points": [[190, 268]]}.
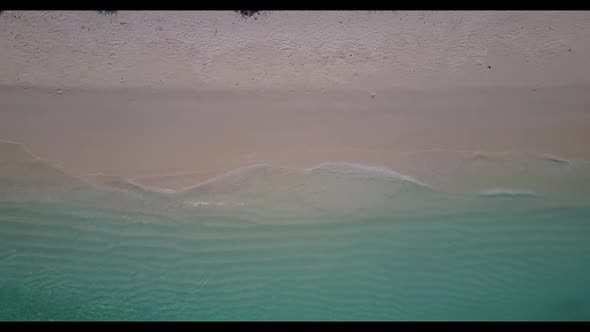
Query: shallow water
{"points": [[64, 263]]}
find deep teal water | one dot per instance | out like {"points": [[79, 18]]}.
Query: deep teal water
{"points": [[59, 262]]}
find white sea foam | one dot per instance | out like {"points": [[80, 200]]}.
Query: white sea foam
{"points": [[363, 171], [507, 192], [121, 183]]}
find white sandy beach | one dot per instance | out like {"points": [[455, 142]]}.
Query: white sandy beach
{"points": [[142, 94]]}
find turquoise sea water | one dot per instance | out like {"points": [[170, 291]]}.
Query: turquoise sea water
{"points": [[337, 242], [63, 263]]}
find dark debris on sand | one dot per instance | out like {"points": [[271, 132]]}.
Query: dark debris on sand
{"points": [[106, 12], [248, 13]]}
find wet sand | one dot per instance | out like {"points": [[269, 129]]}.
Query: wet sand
{"points": [[143, 134]]}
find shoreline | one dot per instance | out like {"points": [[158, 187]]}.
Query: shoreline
{"points": [[446, 175]]}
